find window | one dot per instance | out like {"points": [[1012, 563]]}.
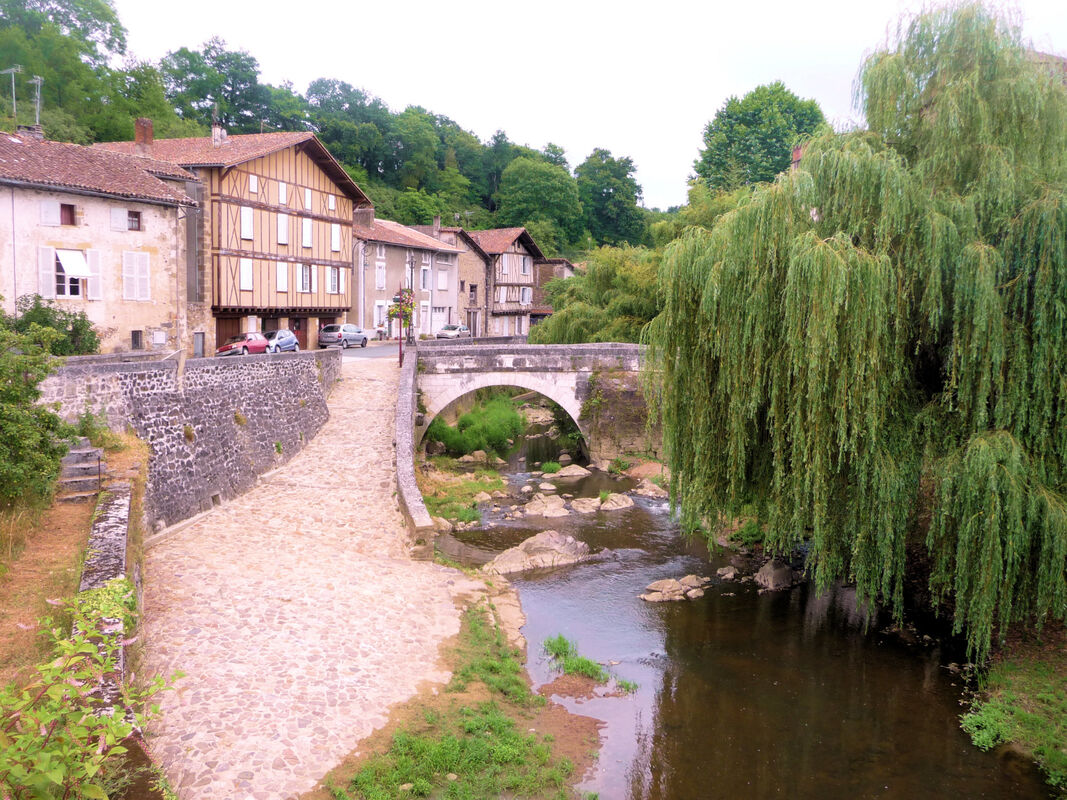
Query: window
{"points": [[253, 184], [444, 258], [474, 293], [332, 279], [68, 278], [335, 236], [503, 294], [66, 214], [123, 219], [381, 250], [379, 312], [283, 229], [525, 265], [461, 287], [425, 258], [137, 340], [246, 222], [133, 221], [135, 278], [305, 277], [246, 274], [424, 278], [283, 193], [504, 263], [442, 280], [306, 223], [307, 199], [331, 201], [526, 295], [283, 276], [379, 275]]}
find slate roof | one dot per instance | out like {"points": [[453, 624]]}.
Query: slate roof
{"points": [[45, 164], [389, 232], [200, 151]]}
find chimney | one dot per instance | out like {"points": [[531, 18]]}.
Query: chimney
{"points": [[31, 132], [437, 226], [142, 136], [218, 134], [363, 216]]}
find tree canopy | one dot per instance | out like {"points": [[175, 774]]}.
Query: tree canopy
{"points": [[609, 195], [750, 139], [872, 351], [538, 191]]}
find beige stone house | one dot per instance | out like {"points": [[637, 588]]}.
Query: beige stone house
{"points": [[509, 277], [391, 256], [102, 233], [275, 246], [472, 275]]}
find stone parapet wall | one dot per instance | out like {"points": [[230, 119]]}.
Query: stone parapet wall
{"points": [[211, 430], [420, 525]]}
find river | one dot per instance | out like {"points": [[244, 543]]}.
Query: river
{"points": [[741, 694]]}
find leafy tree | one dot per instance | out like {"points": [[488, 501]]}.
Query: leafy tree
{"points": [[74, 333], [705, 208], [200, 81], [750, 140], [609, 195], [94, 24], [877, 339], [611, 301], [535, 191], [554, 154]]}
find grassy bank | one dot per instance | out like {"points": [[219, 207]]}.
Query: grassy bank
{"points": [[487, 735], [492, 426], [449, 491], [1023, 701]]}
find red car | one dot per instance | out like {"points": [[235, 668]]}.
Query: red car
{"points": [[242, 344]]}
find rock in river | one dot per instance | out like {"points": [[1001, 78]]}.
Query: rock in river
{"points": [[775, 575], [615, 502], [546, 549], [547, 506], [585, 505], [648, 489], [573, 471]]}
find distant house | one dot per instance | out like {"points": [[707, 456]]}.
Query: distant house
{"points": [[547, 269], [275, 246], [392, 256], [472, 275], [103, 233], [509, 278]]}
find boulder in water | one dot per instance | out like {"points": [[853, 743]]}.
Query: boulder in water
{"points": [[775, 575], [573, 471], [546, 549], [586, 505], [615, 502]]}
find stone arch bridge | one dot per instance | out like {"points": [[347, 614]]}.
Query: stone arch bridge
{"points": [[599, 385]]}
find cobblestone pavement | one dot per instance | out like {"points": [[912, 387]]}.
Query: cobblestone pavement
{"points": [[295, 612]]}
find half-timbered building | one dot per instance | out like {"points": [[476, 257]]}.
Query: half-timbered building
{"points": [[275, 248], [510, 278]]}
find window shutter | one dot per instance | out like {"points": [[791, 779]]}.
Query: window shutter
{"points": [[253, 184], [283, 228], [120, 219], [129, 275], [93, 288], [246, 222], [335, 237], [331, 202], [283, 194], [314, 278], [340, 280], [144, 284], [46, 270], [283, 276], [307, 199], [306, 224], [504, 264], [442, 280], [246, 274], [50, 216]]}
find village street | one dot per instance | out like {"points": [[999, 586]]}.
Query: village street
{"points": [[295, 612]]}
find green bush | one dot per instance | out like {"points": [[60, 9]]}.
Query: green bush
{"points": [[551, 467], [75, 334], [565, 653], [487, 427]]}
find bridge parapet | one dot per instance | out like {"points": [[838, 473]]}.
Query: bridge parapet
{"points": [[540, 358]]}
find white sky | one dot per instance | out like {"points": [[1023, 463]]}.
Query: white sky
{"points": [[640, 80]]}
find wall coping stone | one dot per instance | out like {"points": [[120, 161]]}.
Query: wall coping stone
{"points": [[420, 525]]}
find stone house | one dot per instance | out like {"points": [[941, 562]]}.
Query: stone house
{"points": [[547, 269], [472, 275], [509, 279], [103, 233], [391, 256], [274, 247]]}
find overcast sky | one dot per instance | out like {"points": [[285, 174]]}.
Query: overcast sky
{"points": [[641, 81]]}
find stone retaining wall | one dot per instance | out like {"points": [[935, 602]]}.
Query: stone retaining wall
{"points": [[213, 429], [420, 525]]}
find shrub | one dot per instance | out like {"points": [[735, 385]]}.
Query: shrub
{"points": [[487, 427], [550, 467], [94, 427], [75, 334]]}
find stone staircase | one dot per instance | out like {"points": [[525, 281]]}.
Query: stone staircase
{"points": [[82, 477]]}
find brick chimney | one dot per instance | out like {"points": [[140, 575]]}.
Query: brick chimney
{"points": [[437, 226], [142, 136], [218, 134], [363, 216], [31, 132]]}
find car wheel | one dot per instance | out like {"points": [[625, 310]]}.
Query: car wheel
{"points": [[344, 344], [244, 351], [296, 347], [363, 343]]}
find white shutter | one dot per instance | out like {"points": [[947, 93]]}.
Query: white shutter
{"points": [[283, 276], [307, 199], [253, 184], [332, 202], [93, 287], [283, 194], [314, 278], [50, 216], [120, 219], [379, 276], [46, 271], [442, 280], [246, 274], [246, 222], [283, 228], [129, 275], [144, 283], [335, 236], [340, 280], [504, 264], [306, 223]]}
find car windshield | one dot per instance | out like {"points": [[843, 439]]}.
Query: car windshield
{"points": [[239, 338], [331, 328], [451, 327], [271, 334]]}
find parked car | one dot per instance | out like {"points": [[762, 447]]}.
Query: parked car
{"points": [[453, 332], [242, 344], [345, 335], [281, 341]]}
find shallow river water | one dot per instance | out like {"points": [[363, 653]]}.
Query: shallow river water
{"points": [[742, 695]]}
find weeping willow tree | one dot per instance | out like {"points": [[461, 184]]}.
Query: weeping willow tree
{"points": [[875, 346]]}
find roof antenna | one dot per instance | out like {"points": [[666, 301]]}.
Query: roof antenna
{"points": [[37, 80], [14, 108]]}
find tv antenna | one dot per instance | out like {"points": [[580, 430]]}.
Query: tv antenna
{"points": [[11, 71]]}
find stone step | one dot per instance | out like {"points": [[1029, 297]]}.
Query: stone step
{"points": [[89, 468], [78, 497], [83, 455], [82, 484]]}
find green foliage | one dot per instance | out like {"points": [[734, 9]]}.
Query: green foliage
{"points": [[611, 301], [888, 315], [626, 687], [75, 334], [55, 743], [705, 208], [1025, 702], [551, 467], [403, 309], [749, 534], [115, 600], [32, 438], [565, 653], [94, 427], [604, 495], [486, 427], [619, 465], [532, 190], [609, 195], [491, 660], [750, 140]]}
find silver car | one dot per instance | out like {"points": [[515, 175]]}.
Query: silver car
{"points": [[345, 335], [453, 332]]}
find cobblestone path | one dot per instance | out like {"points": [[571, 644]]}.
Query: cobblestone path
{"points": [[295, 612]]}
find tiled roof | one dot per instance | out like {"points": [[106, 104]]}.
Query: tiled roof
{"points": [[200, 151], [496, 240], [389, 232], [25, 159]]}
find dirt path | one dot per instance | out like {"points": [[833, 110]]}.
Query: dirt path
{"points": [[295, 612]]}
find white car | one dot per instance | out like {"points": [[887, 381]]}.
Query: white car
{"points": [[453, 332]]}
